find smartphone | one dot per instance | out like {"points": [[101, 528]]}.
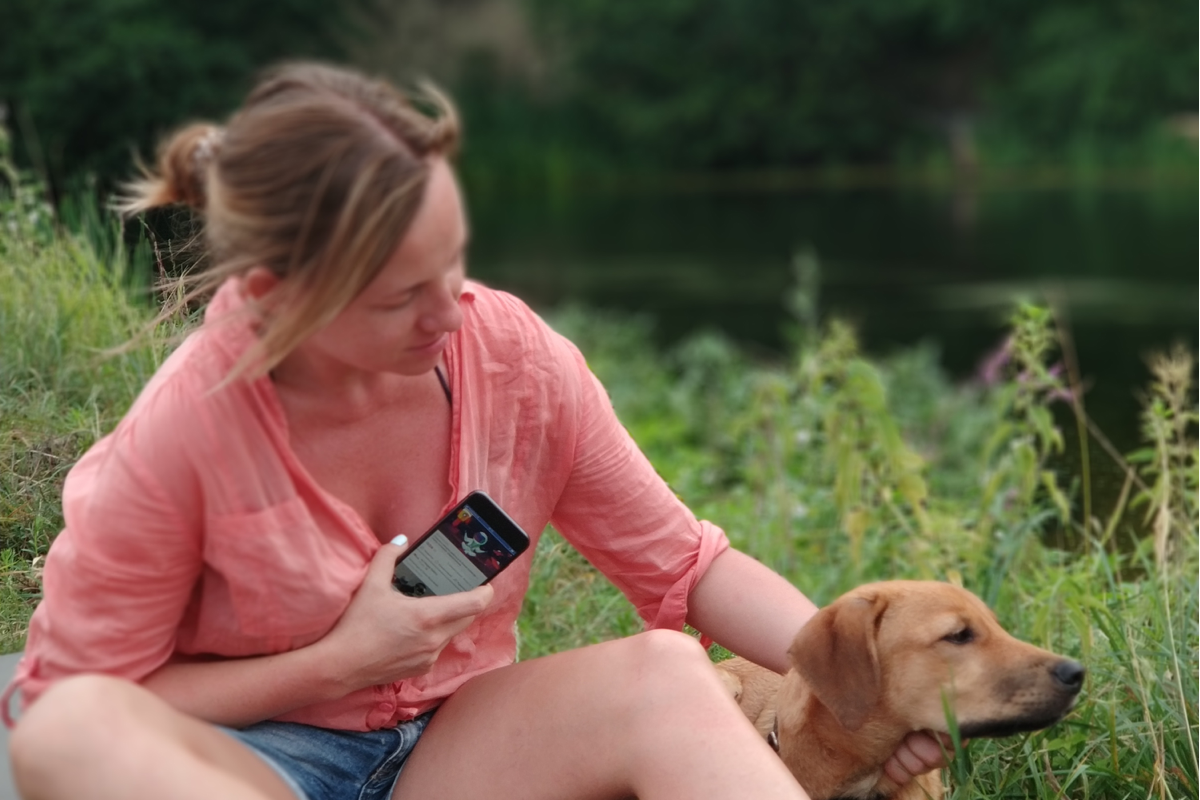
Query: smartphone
{"points": [[467, 548]]}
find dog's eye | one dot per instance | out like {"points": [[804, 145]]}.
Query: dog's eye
{"points": [[965, 636]]}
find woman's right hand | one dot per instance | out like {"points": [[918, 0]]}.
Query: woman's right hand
{"points": [[384, 636]]}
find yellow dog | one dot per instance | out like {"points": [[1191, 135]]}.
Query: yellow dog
{"points": [[879, 663]]}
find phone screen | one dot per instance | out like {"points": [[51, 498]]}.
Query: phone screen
{"points": [[466, 549]]}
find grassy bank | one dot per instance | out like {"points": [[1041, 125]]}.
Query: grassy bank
{"points": [[832, 468], [837, 470]]}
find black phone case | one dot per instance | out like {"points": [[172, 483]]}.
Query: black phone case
{"points": [[464, 532]]}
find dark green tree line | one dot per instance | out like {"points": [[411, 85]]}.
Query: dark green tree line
{"points": [[86, 82], [736, 83], [667, 85]]}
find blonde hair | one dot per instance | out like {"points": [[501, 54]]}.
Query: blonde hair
{"points": [[317, 178]]}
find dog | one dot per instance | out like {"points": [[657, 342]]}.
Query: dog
{"points": [[887, 659]]}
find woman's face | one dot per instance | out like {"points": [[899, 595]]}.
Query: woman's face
{"points": [[401, 322]]}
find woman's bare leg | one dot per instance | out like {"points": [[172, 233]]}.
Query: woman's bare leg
{"points": [[644, 716], [108, 739]]}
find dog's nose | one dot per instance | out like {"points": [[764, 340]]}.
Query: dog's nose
{"points": [[1069, 674]]}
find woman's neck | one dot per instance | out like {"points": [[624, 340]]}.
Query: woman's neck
{"points": [[345, 395]]}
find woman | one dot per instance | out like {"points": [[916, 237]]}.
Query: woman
{"points": [[219, 619]]}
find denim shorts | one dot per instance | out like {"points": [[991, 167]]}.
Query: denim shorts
{"points": [[324, 764]]}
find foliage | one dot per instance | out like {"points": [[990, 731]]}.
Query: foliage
{"points": [[89, 82], [65, 301], [1169, 427], [761, 83], [831, 467], [1097, 69], [629, 87], [835, 470], [719, 83]]}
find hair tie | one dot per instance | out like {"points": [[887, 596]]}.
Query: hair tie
{"points": [[207, 147]]}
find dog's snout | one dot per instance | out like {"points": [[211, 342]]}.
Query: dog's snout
{"points": [[1070, 674]]}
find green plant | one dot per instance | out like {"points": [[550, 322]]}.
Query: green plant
{"points": [[1169, 462], [66, 300], [833, 467]]}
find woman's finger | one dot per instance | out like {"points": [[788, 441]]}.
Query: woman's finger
{"points": [[919, 753], [384, 560], [450, 609]]}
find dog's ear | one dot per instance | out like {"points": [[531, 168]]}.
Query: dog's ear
{"points": [[835, 653]]}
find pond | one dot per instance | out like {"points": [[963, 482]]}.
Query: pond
{"points": [[904, 264]]}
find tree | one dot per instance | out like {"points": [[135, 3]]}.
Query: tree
{"points": [[766, 83], [89, 81]]}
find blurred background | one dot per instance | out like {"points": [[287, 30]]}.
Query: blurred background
{"points": [[922, 162]]}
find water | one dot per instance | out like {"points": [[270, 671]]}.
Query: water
{"points": [[905, 265]]}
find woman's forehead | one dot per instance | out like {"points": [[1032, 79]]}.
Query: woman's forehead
{"points": [[435, 238]]}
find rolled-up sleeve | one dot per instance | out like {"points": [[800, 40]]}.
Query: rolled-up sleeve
{"points": [[624, 518], [120, 575]]}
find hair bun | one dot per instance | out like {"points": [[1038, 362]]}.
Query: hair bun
{"points": [[181, 174], [183, 164]]}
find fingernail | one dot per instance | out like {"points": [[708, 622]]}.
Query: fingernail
{"points": [[400, 541]]}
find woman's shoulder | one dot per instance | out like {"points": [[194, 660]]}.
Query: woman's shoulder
{"points": [[153, 442], [495, 305], [186, 380], [188, 406], [505, 325], [197, 374]]}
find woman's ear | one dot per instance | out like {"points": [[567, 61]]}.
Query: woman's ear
{"points": [[258, 282]]}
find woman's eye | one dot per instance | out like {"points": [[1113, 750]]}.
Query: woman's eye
{"points": [[963, 636], [397, 304]]}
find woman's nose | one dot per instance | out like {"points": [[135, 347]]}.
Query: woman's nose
{"points": [[444, 314]]}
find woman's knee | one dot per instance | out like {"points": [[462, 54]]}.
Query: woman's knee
{"points": [[668, 648], [670, 690], [670, 663], [74, 715]]}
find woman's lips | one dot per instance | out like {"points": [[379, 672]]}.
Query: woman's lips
{"points": [[435, 346]]}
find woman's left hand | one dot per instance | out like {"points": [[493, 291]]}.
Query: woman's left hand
{"points": [[920, 752]]}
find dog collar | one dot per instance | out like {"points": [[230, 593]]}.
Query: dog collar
{"points": [[773, 736]]}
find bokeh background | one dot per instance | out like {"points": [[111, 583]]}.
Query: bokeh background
{"points": [[935, 159], [753, 168]]}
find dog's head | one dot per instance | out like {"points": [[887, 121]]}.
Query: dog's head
{"points": [[895, 652]]}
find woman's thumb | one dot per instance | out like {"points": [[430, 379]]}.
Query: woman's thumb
{"points": [[386, 556]]}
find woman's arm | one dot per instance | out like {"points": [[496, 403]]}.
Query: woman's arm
{"points": [[241, 692], [384, 636], [118, 577], [749, 609]]}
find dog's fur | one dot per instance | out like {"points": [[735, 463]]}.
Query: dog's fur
{"points": [[887, 659]]}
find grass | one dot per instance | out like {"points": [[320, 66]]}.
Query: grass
{"points": [[831, 467], [65, 301], [837, 470]]}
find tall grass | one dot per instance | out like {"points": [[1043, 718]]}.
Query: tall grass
{"points": [[832, 467], [836, 469], [65, 300]]}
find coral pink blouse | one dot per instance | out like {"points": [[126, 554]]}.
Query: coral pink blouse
{"points": [[193, 528]]}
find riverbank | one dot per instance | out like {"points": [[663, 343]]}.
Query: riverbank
{"points": [[833, 467]]}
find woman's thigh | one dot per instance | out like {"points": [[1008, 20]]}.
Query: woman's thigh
{"points": [[643, 716], [96, 736]]}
